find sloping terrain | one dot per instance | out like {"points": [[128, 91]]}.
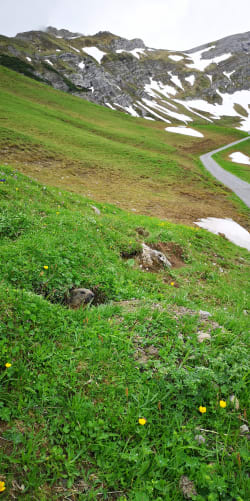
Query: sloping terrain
{"points": [[208, 84], [141, 396], [109, 156], [236, 160]]}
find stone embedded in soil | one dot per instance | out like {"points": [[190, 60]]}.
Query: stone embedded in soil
{"points": [[204, 314], [203, 336], [187, 487], [244, 429], [152, 258]]}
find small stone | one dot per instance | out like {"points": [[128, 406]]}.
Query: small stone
{"points": [[244, 429], [96, 211], [204, 314], [187, 487], [200, 439], [235, 402], [203, 336]]}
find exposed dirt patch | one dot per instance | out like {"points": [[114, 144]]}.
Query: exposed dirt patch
{"points": [[173, 251]]}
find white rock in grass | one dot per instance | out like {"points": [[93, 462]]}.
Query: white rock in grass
{"points": [[204, 314], [203, 336], [200, 439], [244, 429], [96, 211], [235, 402]]}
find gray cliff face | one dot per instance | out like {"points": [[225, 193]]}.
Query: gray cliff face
{"points": [[128, 76]]}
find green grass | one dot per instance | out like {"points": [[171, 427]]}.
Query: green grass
{"points": [[240, 170], [66, 141], [80, 380]]}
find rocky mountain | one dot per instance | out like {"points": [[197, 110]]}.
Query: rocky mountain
{"points": [[210, 83]]}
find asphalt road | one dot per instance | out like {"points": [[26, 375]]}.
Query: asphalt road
{"points": [[239, 187]]}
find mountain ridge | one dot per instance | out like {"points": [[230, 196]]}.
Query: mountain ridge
{"points": [[211, 81]]}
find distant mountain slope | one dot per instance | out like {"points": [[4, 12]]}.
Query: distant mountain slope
{"points": [[209, 83]]}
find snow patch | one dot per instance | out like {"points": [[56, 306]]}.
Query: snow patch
{"points": [[232, 230], [128, 109], [184, 130], [153, 87], [135, 52], [239, 157], [110, 106], [166, 111], [81, 65], [49, 62], [153, 112], [210, 78], [149, 118], [58, 50], [28, 59], [241, 97], [73, 48], [190, 79], [176, 58], [228, 74], [94, 52], [201, 64], [175, 79]]}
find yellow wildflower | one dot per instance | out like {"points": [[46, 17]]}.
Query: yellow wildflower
{"points": [[142, 421], [223, 404], [17, 189], [57, 213], [2, 486], [8, 365], [46, 267], [202, 409], [172, 283]]}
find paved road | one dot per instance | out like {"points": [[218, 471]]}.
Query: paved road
{"points": [[239, 187]]}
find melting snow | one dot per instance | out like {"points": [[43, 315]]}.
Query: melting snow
{"points": [[176, 58], [175, 79], [135, 52], [28, 58], [184, 130], [129, 110], [190, 79], [48, 61], [228, 74], [58, 50], [191, 111], [166, 111], [233, 231], [210, 78], [77, 50], [201, 64], [239, 157], [241, 97], [81, 65], [153, 112], [95, 53], [110, 106], [159, 87], [149, 118]]}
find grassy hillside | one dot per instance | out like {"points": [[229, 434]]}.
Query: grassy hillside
{"points": [[68, 142], [240, 170], [77, 383]]}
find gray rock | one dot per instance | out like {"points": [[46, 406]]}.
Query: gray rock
{"points": [[151, 257], [244, 429]]}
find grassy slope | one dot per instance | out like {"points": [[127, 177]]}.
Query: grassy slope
{"points": [[240, 170], [80, 380], [64, 141]]}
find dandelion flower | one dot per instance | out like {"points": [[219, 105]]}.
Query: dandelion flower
{"points": [[2, 486], [223, 404], [46, 267], [172, 283], [8, 365], [142, 421], [202, 409]]}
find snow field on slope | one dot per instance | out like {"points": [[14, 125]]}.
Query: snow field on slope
{"points": [[94, 52], [201, 64], [217, 111], [184, 130], [135, 52], [176, 58], [239, 157], [232, 230]]}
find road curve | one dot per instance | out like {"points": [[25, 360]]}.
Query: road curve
{"points": [[239, 187]]}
